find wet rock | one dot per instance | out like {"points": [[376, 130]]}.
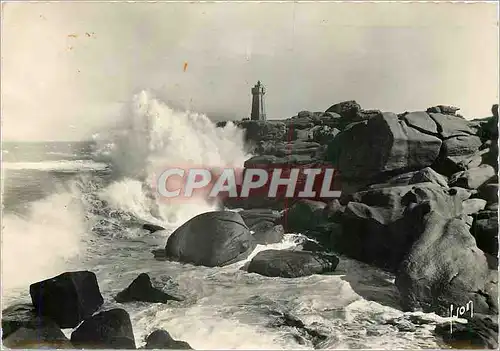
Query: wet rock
{"points": [[22, 315], [480, 332], [291, 264], [266, 233], [159, 254], [161, 339], [152, 227], [259, 215], [379, 145], [211, 239], [22, 327], [473, 178], [443, 267], [67, 298], [304, 214], [41, 337], [285, 319], [142, 289], [110, 329]]}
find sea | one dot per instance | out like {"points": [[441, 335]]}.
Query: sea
{"points": [[70, 206]]}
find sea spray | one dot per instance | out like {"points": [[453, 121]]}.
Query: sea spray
{"points": [[38, 243], [152, 136]]}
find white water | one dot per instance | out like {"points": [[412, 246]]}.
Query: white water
{"points": [[226, 308]]}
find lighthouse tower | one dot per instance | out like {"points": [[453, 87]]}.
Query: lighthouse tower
{"points": [[258, 107]]}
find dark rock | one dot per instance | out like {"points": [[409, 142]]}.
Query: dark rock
{"points": [[110, 329], [324, 134], [480, 332], [291, 264], [67, 298], [263, 130], [489, 192], [381, 144], [348, 110], [443, 267], [298, 123], [378, 227], [485, 230], [333, 210], [258, 215], [161, 339], [266, 233], [23, 316], [304, 214], [211, 239], [312, 246], [152, 227], [472, 178], [23, 328], [305, 114], [447, 110], [141, 289], [41, 337], [285, 319], [159, 254]]}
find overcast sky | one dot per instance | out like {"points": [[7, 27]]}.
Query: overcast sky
{"points": [[67, 67]]}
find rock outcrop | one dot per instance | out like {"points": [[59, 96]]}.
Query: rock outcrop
{"points": [[160, 339], [291, 264], [142, 289], [211, 239], [67, 298], [111, 329]]}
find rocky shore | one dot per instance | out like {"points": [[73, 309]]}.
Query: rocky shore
{"points": [[419, 200]]}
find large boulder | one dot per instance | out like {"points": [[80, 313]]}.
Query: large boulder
{"points": [[142, 289], [22, 327], [211, 239], [67, 298], [381, 144], [304, 214], [161, 339], [443, 267], [377, 224], [110, 329], [291, 264]]}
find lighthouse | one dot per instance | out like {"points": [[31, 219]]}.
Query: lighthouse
{"points": [[258, 107]]}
